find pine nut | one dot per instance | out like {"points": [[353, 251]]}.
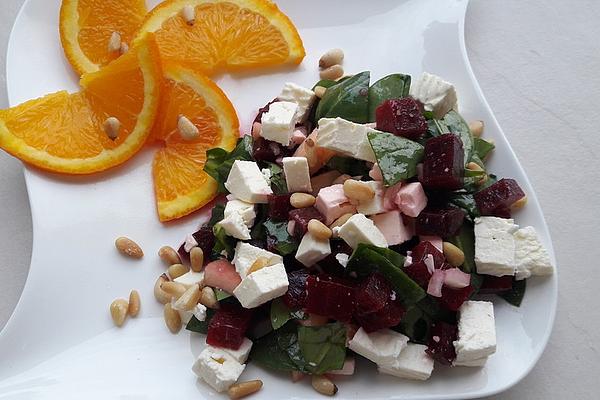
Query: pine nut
{"points": [[128, 247], [297, 376], [454, 255], [169, 255], [172, 318], [357, 190], [174, 289], [472, 166], [302, 200], [332, 73], [188, 299], [124, 48], [243, 389], [111, 127], [320, 91], [341, 179], [118, 311], [331, 57], [208, 298], [176, 270], [476, 128], [189, 14], [159, 294], [519, 203], [134, 303], [187, 129], [114, 43], [324, 385], [260, 263], [319, 230], [197, 259], [341, 221]]}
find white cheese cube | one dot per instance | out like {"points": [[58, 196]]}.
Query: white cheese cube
{"points": [[247, 183], [530, 255], [199, 312], [412, 363], [360, 229], [217, 368], [297, 175], [479, 362], [346, 138], [190, 278], [261, 286], [312, 250], [302, 96], [476, 331], [240, 355], [382, 347], [246, 255], [495, 246], [246, 210], [235, 226], [279, 122], [436, 94], [375, 205], [267, 174]]}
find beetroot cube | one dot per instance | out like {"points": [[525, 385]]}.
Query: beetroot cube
{"points": [[373, 294], [443, 222], [206, 241], [295, 297], [390, 315], [402, 117], [496, 284], [496, 199], [302, 217], [330, 296], [452, 299], [444, 162], [184, 256], [266, 150], [440, 346], [420, 251], [279, 206], [228, 326], [419, 273]]}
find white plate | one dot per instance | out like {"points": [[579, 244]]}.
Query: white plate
{"points": [[60, 341]]}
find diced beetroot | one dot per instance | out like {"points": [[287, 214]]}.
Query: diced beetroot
{"points": [[330, 296], [295, 297], [221, 274], [496, 284], [330, 264], [266, 150], [205, 238], [279, 206], [184, 256], [452, 299], [390, 315], [227, 328], [423, 248], [443, 222], [372, 294], [440, 346], [264, 109], [419, 273], [496, 199], [443, 163], [402, 117], [302, 217]]}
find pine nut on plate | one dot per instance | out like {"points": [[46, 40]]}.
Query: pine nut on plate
{"points": [[134, 303], [118, 311], [128, 247], [324, 385], [242, 389], [169, 255], [172, 318]]}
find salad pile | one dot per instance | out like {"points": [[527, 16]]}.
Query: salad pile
{"points": [[359, 220]]}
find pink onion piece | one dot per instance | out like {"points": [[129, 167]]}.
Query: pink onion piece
{"points": [[429, 263], [347, 368], [456, 279], [436, 282], [291, 226]]}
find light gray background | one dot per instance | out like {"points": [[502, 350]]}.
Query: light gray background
{"points": [[538, 63]]}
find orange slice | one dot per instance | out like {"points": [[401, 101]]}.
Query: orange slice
{"points": [[224, 34], [86, 28], [180, 184], [65, 133]]}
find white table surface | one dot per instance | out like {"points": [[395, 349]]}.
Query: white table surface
{"points": [[538, 63]]}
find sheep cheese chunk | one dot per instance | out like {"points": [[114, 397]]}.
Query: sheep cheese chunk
{"points": [[217, 368], [436, 94], [247, 183], [297, 175], [190, 278], [302, 96], [530, 255], [240, 355], [412, 363], [375, 205], [246, 210], [261, 286], [393, 228], [279, 122], [360, 229], [247, 256], [235, 226], [476, 332], [495, 246], [333, 203], [312, 250], [346, 138], [383, 347]]}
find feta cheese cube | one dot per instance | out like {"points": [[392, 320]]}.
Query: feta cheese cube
{"points": [[235, 226], [240, 355], [247, 183], [393, 228], [246, 210], [412, 363], [323, 180], [375, 205], [382, 346], [343, 259], [217, 368], [246, 255], [296, 173], [411, 199], [476, 331], [279, 122], [267, 174], [480, 362], [436, 94], [360, 229], [346, 138], [495, 246], [190, 278], [199, 312], [312, 250], [333, 203], [261, 286], [530, 255], [303, 97]]}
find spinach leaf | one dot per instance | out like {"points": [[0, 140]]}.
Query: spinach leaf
{"points": [[258, 231], [220, 294], [284, 243], [348, 165], [489, 182], [465, 240], [397, 157], [323, 347], [481, 148], [200, 326], [217, 214], [415, 324], [223, 241], [326, 83], [279, 350], [280, 314], [457, 125], [466, 202], [219, 161], [393, 86], [516, 294], [278, 182], [348, 99]]}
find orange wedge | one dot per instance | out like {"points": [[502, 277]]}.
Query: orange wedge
{"points": [[210, 35], [87, 26], [180, 184], [66, 133]]}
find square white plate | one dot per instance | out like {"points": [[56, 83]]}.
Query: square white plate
{"points": [[60, 341]]}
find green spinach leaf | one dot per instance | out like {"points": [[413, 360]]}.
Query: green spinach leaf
{"points": [[397, 157], [348, 165], [465, 240], [217, 214], [278, 182], [223, 241], [415, 324], [326, 83], [200, 326], [219, 161], [220, 294], [279, 350], [323, 347], [516, 294], [481, 148], [348, 99], [457, 125], [280, 314], [284, 243], [466, 202], [393, 86]]}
